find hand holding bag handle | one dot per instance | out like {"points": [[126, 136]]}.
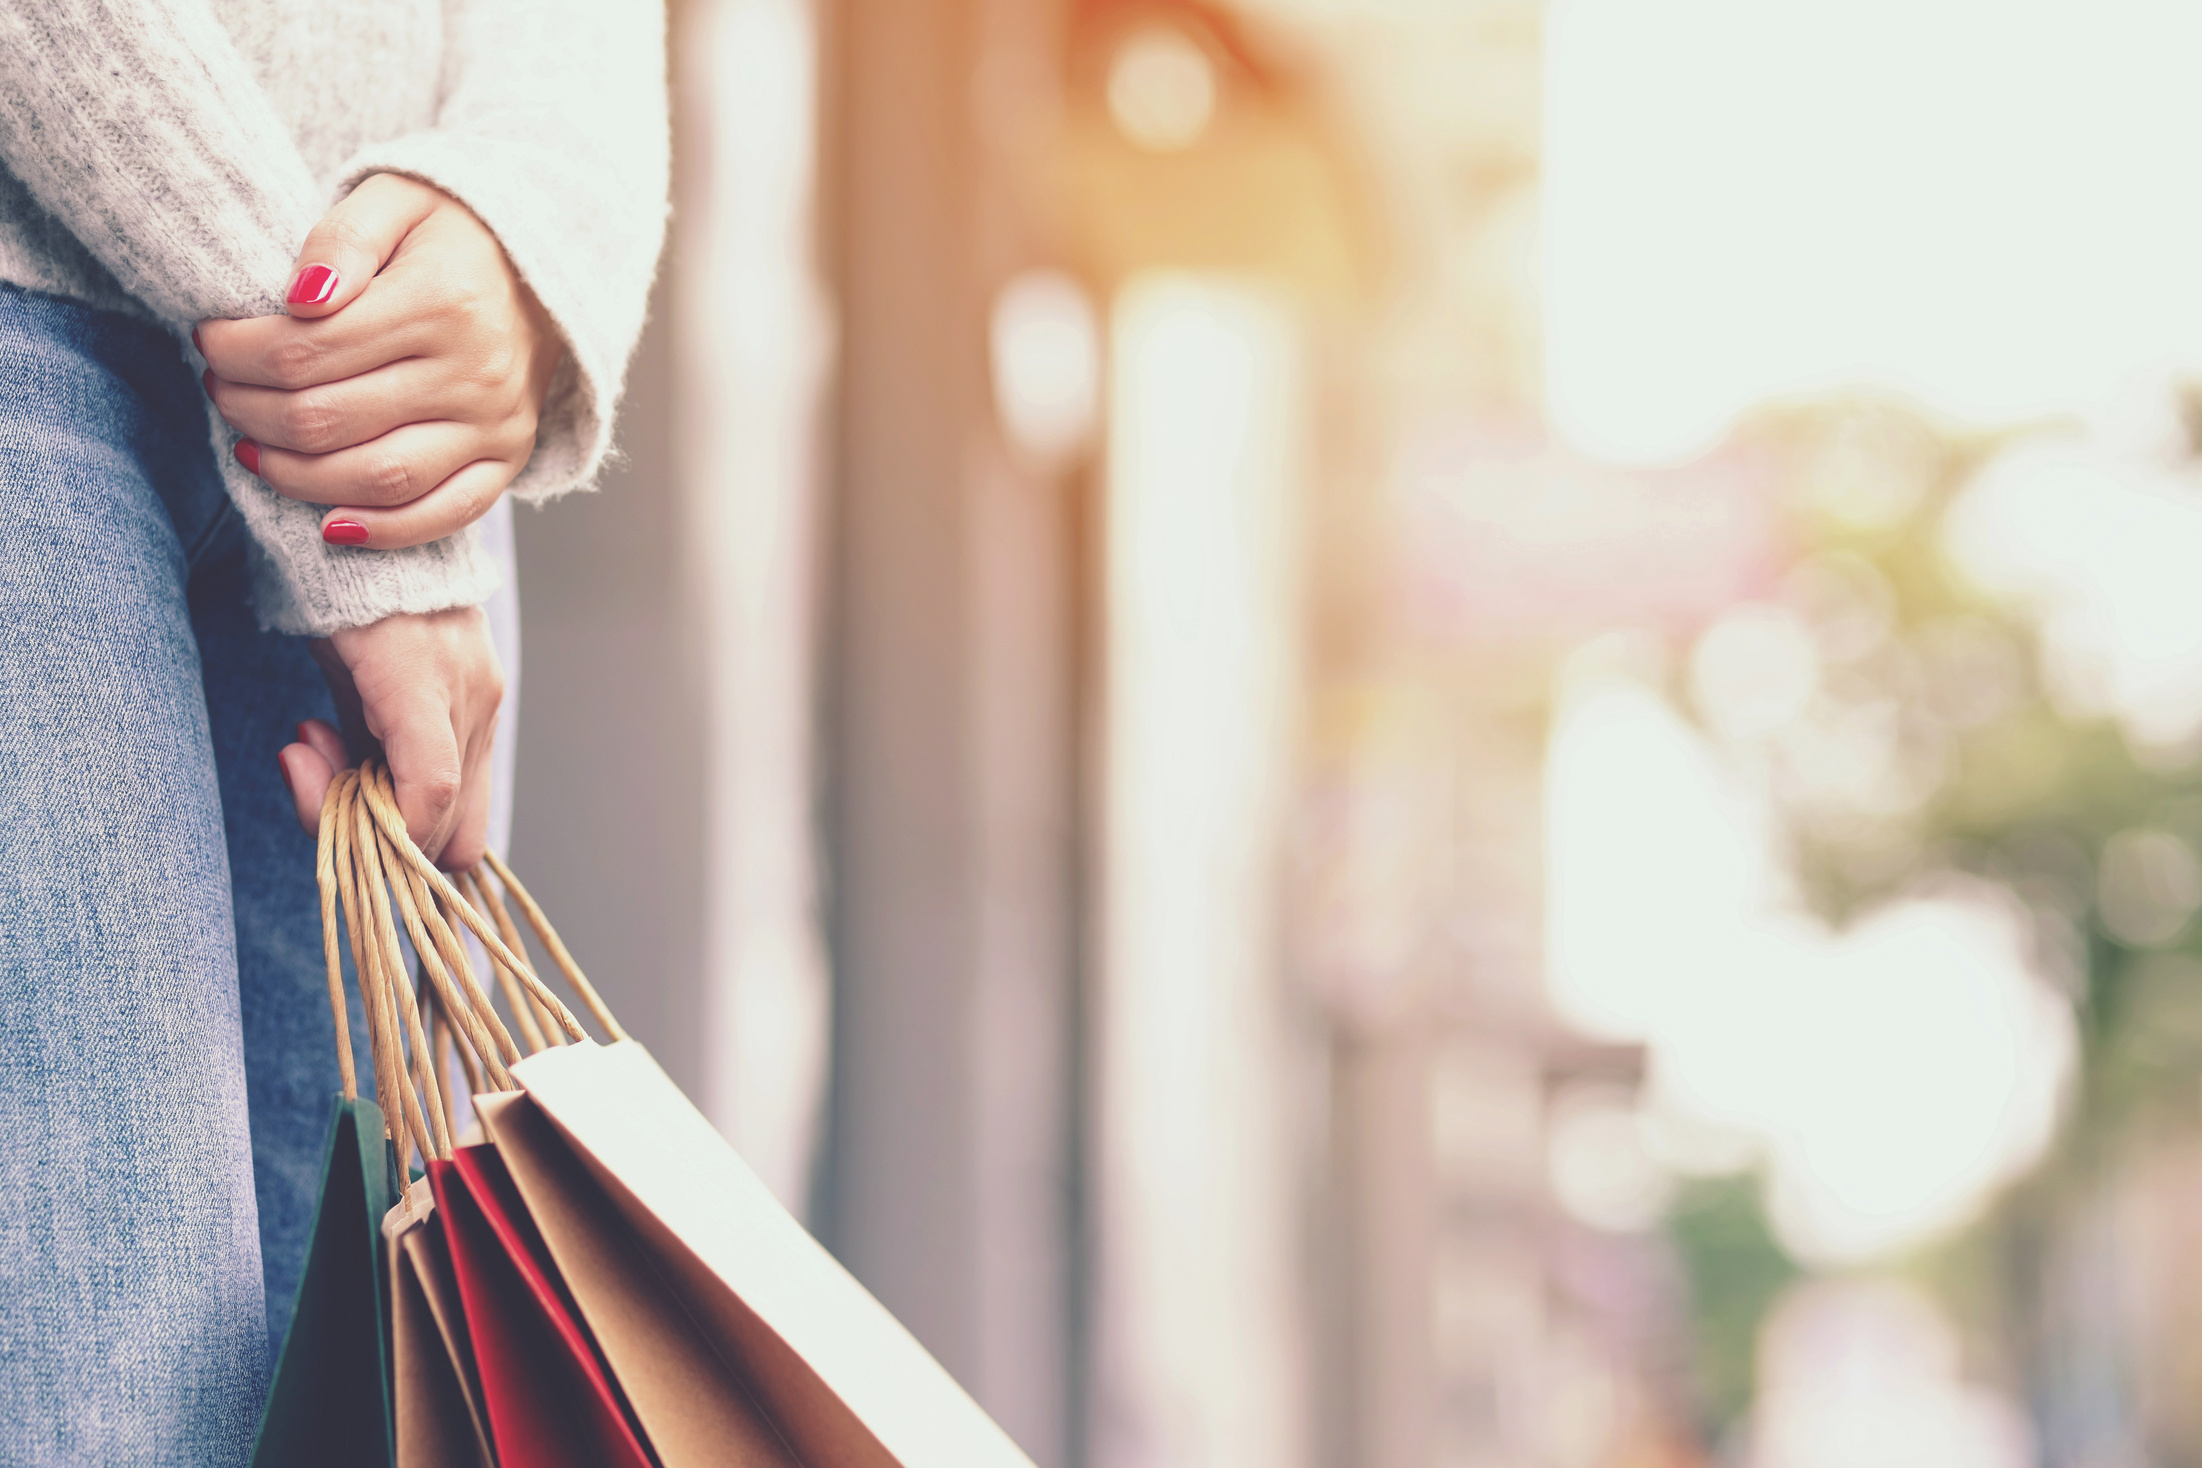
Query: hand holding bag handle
{"points": [[367, 864]]}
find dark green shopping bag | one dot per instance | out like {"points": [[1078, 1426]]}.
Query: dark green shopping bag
{"points": [[330, 1400]]}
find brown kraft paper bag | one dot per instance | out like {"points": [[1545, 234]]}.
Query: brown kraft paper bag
{"points": [[697, 1410], [438, 1398], [846, 1384]]}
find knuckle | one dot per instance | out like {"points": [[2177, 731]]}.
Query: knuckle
{"points": [[499, 362], [481, 497], [484, 384], [312, 424], [339, 232], [294, 363], [439, 788], [469, 299], [455, 300], [515, 441], [465, 502], [470, 387], [386, 479]]}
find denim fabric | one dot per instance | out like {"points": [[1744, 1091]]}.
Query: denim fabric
{"points": [[161, 974]]}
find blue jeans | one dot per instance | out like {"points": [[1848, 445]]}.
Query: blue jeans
{"points": [[166, 1051]]}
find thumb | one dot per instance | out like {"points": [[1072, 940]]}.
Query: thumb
{"points": [[353, 241]]}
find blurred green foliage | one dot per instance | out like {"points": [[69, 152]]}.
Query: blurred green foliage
{"points": [[1998, 783], [1985, 777], [1735, 1270]]}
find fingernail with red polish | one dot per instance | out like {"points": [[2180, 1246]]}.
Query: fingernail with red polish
{"points": [[248, 454], [315, 284], [344, 532], [196, 342], [206, 380]]}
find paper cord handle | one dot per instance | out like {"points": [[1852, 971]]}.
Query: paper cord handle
{"points": [[368, 866]]}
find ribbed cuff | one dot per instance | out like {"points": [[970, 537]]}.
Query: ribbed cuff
{"points": [[308, 588]]}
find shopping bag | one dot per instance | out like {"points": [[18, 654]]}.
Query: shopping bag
{"points": [[549, 1399], [329, 1402], [633, 1360], [436, 1391], [440, 1406], [698, 1410], [489, 1360], [839, 1376], [607, 1238], [335, 1397]]}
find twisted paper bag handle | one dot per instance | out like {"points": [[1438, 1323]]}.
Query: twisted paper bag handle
{"points": [[364, 860]]}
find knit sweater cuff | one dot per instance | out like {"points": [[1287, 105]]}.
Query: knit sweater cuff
{"points": [[500, 183], [308, 588]]}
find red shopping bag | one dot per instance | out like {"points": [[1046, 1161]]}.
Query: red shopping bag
{"points": [[549, 1400]]}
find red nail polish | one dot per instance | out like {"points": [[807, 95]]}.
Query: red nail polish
{"points": [[315, 284], [196, 342], [248, 454], [344, 532], [206, 380]]}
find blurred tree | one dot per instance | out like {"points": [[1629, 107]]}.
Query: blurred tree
{"points": [[1736, 1270], [1932, 743]]}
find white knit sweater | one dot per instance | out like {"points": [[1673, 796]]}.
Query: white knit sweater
{"points": [[167, 157]]}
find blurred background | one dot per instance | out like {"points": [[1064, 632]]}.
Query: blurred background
{"points": [[1427, 732]]}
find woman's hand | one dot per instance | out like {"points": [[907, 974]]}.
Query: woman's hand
{"points": [[404, 387], [427, 687]]}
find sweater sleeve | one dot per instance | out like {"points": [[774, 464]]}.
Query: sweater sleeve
{"points": [[137, 125], [554, 133]]}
